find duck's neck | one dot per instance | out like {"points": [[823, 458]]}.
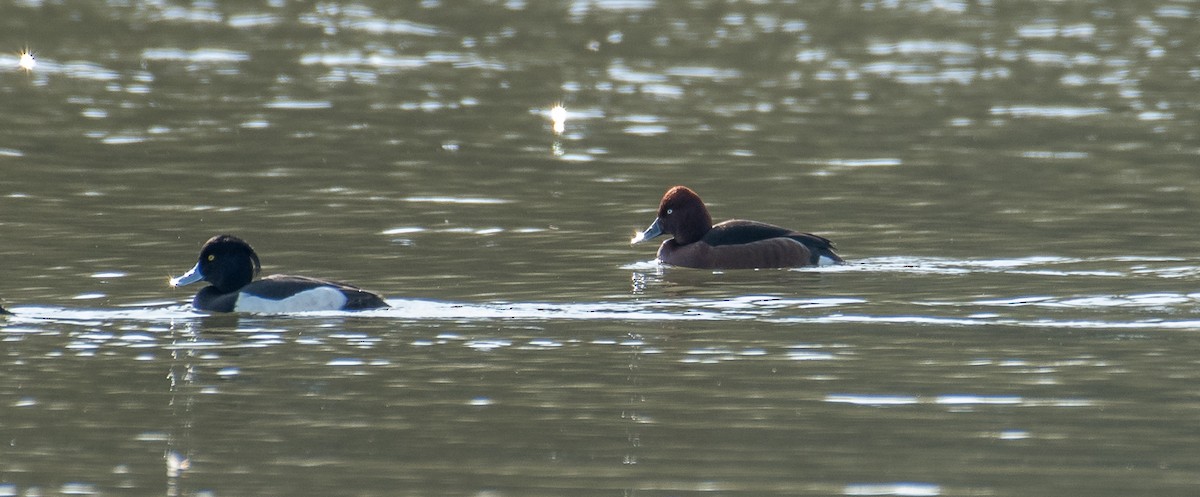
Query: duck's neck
{"points": [[693, 228]]}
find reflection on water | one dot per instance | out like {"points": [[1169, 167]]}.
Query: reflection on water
{"points": [[1011, 183], [1040, 65]]}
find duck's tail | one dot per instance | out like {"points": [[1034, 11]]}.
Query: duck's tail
{"points": [[821, 249]]}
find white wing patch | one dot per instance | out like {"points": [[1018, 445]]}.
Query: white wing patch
{"points": [[322, 298]]}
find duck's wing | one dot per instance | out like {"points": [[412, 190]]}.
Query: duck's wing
{"points": [[282, 286], [740, 232]]}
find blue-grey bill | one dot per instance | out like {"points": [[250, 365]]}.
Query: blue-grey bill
{"points": [[654, 230], [193, 275]]}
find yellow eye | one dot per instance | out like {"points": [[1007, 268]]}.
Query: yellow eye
{"points": [[211, 257]]}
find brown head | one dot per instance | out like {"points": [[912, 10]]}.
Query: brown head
{"points": [[681, 214]]}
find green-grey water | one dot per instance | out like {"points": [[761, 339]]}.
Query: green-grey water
{"points": [[1013, 184]]}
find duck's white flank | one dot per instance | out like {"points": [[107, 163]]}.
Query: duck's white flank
{"points": [[321, 298]]}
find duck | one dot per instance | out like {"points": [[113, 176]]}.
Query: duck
{"points": [[229, 264], [734, 244]]}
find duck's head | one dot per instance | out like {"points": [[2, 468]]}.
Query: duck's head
{"points": [[226, 261], [681, 214]]}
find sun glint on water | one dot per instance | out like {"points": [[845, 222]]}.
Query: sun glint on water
{"points": [[558, 118], [27, 61]]}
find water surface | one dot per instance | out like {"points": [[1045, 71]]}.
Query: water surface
{"points": [[1012, 183]]}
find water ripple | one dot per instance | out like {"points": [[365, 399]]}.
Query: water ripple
{"points": [[1059, 111], [200, 55], [815, 311]]}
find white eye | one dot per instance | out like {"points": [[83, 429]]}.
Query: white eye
{"points": [[669, 211]]}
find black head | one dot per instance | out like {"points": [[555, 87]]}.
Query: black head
{"points": [[226, 261]]}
